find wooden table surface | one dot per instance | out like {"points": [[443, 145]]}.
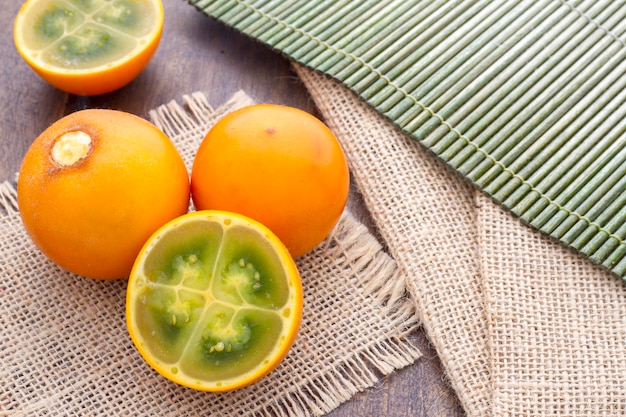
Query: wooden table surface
{"points": [[199, 54]]}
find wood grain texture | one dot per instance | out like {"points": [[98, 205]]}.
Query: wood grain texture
{"points": [[199, 54]]}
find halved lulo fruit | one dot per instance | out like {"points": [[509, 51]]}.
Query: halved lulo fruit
{"points": [[88, 47], [214, 301]]}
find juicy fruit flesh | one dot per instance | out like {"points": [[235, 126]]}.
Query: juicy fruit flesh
{"points": [[85, 34], [211, 302]]}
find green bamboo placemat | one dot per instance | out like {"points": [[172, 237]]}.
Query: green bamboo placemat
{"points": [[526, 99]]}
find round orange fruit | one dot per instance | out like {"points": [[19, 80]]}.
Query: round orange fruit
{"points": [[95, 185], [278, 165], [88, 47], [214, 301]]}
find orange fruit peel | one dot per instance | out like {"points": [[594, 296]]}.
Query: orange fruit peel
{"points": [[278, 165], [95, 185], [214, 301], [88, 48]]}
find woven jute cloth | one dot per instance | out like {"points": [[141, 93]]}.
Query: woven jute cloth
{"points": [[523, 326], [65, 351]]}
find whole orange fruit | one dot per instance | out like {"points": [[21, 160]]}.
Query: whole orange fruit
{"points": [[278, 165], [88, 47], [95, 185], [214, 301]]}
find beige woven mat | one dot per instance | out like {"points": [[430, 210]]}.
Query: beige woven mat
{"points": [[523, 326], [64, 349]]}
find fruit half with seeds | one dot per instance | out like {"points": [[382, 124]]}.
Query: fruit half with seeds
{"points": [[88, 47], [214, 301]]}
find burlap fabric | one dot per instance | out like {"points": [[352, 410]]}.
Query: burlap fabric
{"points": [[523, 326], [64, 349]]}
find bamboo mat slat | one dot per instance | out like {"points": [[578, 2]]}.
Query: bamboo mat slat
{"points": [[524, 99]]}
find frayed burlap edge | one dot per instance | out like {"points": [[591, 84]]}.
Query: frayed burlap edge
{"points": [[425, 213]]}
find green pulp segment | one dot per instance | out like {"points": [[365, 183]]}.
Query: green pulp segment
{"points": [[78, 34], [167, 318], [52, 24], [223, 350], [211, 301], [250, 273], [126, 16], [186, 256]]}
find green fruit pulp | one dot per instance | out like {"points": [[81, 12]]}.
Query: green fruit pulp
{"points": [[83, 34], [212, 300]]}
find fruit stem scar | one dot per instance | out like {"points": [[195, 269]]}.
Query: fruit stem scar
{"points": [[71, 147]]}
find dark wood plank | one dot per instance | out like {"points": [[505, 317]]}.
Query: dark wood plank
{"points": [[418, 390], [28, 104], [199, 54]]}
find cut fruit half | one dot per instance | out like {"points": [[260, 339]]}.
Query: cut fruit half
{"points": [[88, 47], [214, 301]]}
